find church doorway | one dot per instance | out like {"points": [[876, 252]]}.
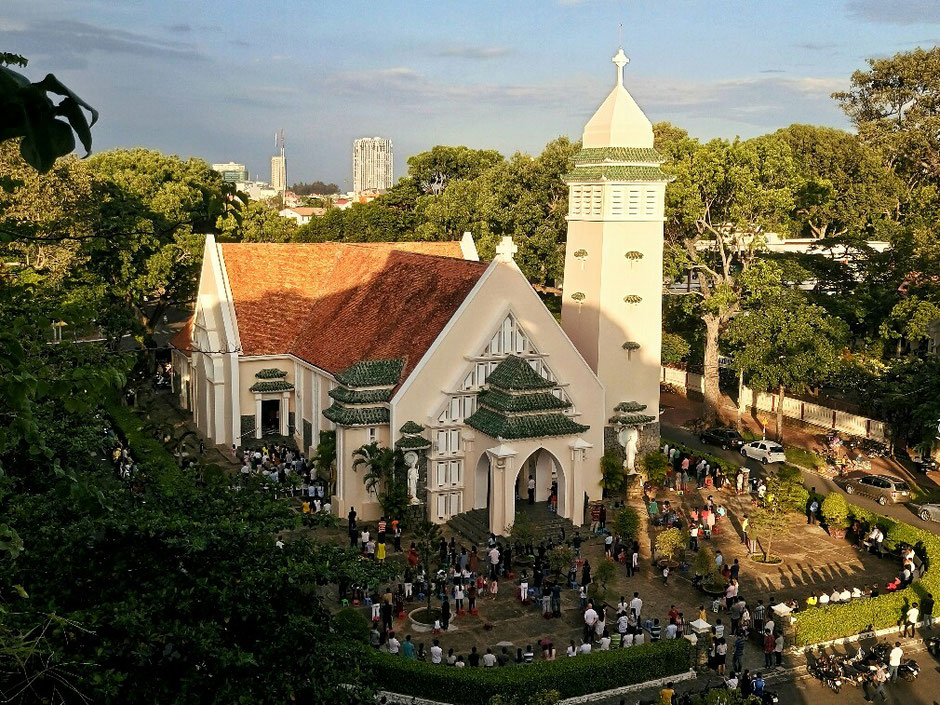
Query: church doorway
{"points": [[271, 417], [548, 474], [481, 483]]}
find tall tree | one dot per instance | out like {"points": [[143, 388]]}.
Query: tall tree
{"points": [[433, 170], [784, 343], [725, 195]]}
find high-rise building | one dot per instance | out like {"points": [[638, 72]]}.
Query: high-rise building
{"points": [[279, 164], [372, 164], [231, 172]]}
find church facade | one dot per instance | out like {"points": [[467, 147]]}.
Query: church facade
{"points": [[422, 347]]}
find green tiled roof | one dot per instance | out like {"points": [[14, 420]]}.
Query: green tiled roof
{"points": [[344, 416], [360, 396], [372, 373], [617, 173], [630, 406], [632, 419], [411, 427], [642, 155], [498, 425], [413, 443], [276, 386], [515, 374], [499, 400], [631, 345], [270, 373]]}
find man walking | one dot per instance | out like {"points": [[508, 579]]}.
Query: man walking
{"points": [[910, 621], [812, 506], [894, 661], [926, 611], [531, 490]]}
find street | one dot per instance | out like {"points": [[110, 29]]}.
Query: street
{"points": [[823, 485]]}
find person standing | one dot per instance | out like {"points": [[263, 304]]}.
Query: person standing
{"points": [[911, 620], [878, 679], [926, 611], [769, 644], [445, 613], [590, 622], [745, 525], [778, 650], [812, 506], [894, 661], [739, 642], [531, 487]]}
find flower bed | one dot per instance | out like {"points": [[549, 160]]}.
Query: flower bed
{"points": [[571, 677], [816, 624]]}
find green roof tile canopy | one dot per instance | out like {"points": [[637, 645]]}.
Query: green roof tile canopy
{"points": [[364, 390], [270, 373], [629, 155], [617, 172], [412, 438], [275, 386], [519, 403], [372, 373]]}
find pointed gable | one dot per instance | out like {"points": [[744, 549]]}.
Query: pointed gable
{"points": [[619, 122]]}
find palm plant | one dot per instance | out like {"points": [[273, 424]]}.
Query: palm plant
{"points": [[379, 464]]}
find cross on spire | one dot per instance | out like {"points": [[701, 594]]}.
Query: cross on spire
{"points": [[506, 249], [620, 60]]}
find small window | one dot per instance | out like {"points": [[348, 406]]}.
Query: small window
{"points": [[373, 435]]}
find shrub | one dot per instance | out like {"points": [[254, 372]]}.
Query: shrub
{"points": [[612, 475], [704, 562], [560, 559], [605, 574], [571, 677], [835, 511], [147, 451], [627, 523], [655, 465], [352, 625], [670, 541], [818, 624]]}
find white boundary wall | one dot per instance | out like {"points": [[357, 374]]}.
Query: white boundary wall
{"points": [[810, 413]]}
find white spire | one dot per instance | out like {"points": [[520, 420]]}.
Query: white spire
{"points": [[619, 122]]}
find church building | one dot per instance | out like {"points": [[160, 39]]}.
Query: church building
{"points": [[422, 347]]}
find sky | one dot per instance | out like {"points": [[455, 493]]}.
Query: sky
{"points": [[216, 78]]}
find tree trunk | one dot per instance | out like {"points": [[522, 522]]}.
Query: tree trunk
{"points": [[780, 413], [767, 549], [712, 392]]}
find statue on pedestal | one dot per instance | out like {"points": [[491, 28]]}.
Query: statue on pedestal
{"points": [[411, 458], [628, 438]]}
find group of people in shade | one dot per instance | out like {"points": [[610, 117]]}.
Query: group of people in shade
{"points": [[289, 473]]}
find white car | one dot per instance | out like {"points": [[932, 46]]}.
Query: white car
{"points": [[764, 451]]}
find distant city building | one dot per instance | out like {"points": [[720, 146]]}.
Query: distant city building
{"points": [[372, 164], [302, 214], [231, 172], [279, 165], [256, 190]]}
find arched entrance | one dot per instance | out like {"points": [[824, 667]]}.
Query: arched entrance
{"points": [[543, 467], [481, 483]]}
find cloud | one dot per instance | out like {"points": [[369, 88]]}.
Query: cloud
{"points": [[181, 28], [475, 53], [71, 42], [895, 11], [773, 71], [816, 46]]}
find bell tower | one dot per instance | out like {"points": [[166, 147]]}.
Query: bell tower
{"points": [[612, 300]]}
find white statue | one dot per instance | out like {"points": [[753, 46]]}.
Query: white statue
{"points": [[628, 437], [412, 459]]}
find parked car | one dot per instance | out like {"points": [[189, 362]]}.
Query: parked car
{"points": [[929, 511], [724, 437], [764, 451], [883, 489]]}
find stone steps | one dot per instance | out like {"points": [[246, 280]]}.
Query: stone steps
{"points": [[473, 526]]}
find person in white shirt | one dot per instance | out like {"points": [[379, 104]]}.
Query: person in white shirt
{"points": [[585, 648], [636, 604], [437, 653], [823, 599], [489, 660], [622, 605], [846, 594], [672, 630], [894, 661], [571, 651], [627, 640], [638, 638], [856, 593], [835, 595], [590, 620], [393, 644], [605, 643], [769, 624]]}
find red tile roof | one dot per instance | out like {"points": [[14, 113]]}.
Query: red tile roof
{"points": [[182, 339], [334, 304]]}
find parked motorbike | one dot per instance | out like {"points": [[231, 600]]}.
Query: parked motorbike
{"points": [[827, 670], [909, 669]]}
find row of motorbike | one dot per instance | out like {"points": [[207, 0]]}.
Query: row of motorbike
{"points": [[834, 670]]}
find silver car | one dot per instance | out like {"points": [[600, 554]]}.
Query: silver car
{"points": [[929, 512], [884, 489]]}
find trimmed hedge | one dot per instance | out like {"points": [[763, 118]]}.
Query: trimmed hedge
{"points": [[148, 452], [728, 466], [571, 677], [816, 624]]}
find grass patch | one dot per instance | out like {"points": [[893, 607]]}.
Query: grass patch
{"points": [[804, 458]]}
